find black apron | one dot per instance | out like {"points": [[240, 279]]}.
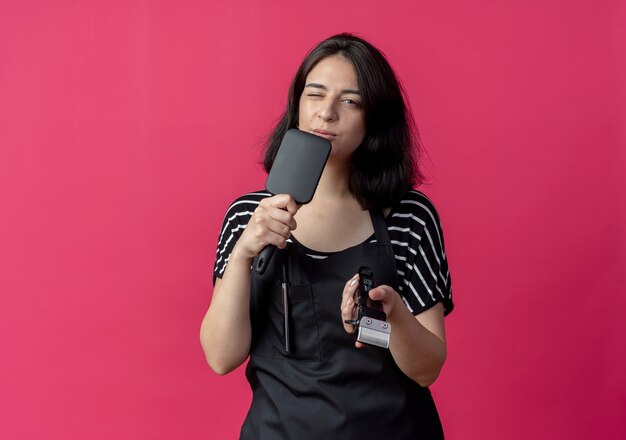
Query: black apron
{"points": [[325, 387]]}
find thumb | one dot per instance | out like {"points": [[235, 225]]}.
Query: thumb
{"points": [[380, 293], [387, 297]]}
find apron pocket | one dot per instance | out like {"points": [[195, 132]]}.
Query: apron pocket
{"points": [[268, 337], [305, 338]]}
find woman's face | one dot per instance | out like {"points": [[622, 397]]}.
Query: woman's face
{"points": [[330, 106]]}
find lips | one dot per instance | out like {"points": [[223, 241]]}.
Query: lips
{"points": [[325, 134]]}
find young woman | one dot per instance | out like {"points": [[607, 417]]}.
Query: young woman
{"points": [[364, 213]]}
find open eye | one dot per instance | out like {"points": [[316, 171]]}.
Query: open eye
{"points": [[351, 102]]}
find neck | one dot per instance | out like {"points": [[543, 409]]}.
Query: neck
{"points": [[334, 182]]}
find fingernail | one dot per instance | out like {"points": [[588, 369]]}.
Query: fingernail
{"points": [[353, 282]]}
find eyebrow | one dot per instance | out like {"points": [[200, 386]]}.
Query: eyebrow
{"points": [[323, 87]]}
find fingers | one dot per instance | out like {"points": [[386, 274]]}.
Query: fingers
{"points": [[265, 230], [281, 201], [281, 208], [386, 295], [271, 224], [348, 306], [268, 230], [273, 221]]}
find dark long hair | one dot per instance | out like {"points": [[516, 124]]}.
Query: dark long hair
{"points": [[385, 166]]}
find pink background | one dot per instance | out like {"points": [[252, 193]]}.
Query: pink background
{"points": [[127, 127]]}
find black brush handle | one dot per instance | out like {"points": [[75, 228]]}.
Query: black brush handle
{"points": [[263, 259]]}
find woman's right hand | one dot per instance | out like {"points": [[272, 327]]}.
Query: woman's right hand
{"points": [[270, 224], [226, 331]]}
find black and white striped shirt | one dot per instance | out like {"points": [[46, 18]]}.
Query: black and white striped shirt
{"points": [[416, 238]]}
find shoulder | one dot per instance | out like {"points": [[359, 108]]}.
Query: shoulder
{"points": [[417, 239], [415, 208], [245, 201], [240, 211], [245, 204]]}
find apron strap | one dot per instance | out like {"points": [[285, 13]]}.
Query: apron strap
{"points": [[380, 227], [383, 240]]}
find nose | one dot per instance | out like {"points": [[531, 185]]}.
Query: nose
{"points": [[327, 111]]}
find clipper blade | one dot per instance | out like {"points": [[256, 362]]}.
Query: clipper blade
{"points": [[374, 332]]}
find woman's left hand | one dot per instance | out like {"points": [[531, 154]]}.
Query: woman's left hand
{"points": [[417, 343], [387, 296]]}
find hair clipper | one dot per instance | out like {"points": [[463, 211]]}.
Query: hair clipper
{"points": [[371, 326]]}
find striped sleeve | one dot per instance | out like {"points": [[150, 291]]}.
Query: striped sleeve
{"points": [[417, 240], [235, 221]]}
